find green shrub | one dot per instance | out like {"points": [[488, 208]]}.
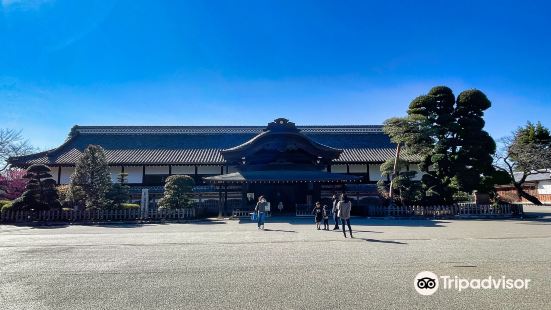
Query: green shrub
{"points": [[129, 206], [177, 192], [5, 205]]}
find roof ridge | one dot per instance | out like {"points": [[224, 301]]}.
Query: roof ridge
{"points": [[215, 126], [221, 129]]}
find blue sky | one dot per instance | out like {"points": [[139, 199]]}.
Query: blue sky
{"points": [[247, 62]]}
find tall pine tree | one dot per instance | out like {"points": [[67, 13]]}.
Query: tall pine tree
{"points": [[447, 134], [92, 177]]}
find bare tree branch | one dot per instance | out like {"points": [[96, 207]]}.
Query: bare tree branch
{"points": [[12, 144]]}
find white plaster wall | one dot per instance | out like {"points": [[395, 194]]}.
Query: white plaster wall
{"points": [[156, 169], [208, 170], [358, 168], [66, 173], [232, 169], [53, 172], [115, 173], [375, 172], [134, 174], [189, 170], [415, 167], [338, 168], [544, 187]]}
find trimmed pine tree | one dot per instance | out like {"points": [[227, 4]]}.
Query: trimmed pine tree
{"points": [[177, 192], [40, 192]]}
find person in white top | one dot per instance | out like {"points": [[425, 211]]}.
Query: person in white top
{"points": [[344, 206], [335, 211]]}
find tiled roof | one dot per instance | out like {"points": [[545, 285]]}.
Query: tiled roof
{"points": [[540, 175], [138, 145]]}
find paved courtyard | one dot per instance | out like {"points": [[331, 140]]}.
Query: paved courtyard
{"points": [[231, 265]]}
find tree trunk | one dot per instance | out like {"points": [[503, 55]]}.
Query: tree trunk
{"points": [[523, 194]]}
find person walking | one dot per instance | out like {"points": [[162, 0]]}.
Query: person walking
{"points": [[345, 206], [325, 218], [318, 214], [260, 210], [335, 212]]}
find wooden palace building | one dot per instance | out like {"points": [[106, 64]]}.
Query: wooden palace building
{"points": [[294, 165]]}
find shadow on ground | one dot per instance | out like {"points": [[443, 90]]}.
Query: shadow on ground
{"points": [[382, 241], [281, 230], [359, 221]]}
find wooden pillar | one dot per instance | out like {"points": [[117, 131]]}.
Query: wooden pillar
{"points": [[347, 169], [143, 174], [243, 195], [225, 198], [169, 169], [220, 213], [59, 175], [222, 170], [122, 169], [368, 176]]}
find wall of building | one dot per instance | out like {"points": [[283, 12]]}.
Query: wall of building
{"points": [[544, 187], [54, 172], [415, 167], [209, 170], [338, 168], [156, 169], [375, 172], [188, 170], [135, 174], [115, 171], [66, 173], [355, 168]]}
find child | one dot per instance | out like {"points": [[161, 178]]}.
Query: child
{"points": [[325, 218], [318, 214]]}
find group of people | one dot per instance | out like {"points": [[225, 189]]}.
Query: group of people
{"points": [[340, 211]]}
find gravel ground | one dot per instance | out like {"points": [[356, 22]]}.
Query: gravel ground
{"points": [[231, 265]]}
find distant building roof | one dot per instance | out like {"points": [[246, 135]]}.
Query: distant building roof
{"points": [[542, 175], [181, 145]]}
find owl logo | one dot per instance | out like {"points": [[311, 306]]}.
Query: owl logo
{"points": [[426, 283]]}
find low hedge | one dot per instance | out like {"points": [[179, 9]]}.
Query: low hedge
{"points": [[129, 206], [5, 205]]}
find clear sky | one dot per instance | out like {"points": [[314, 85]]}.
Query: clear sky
{"points": [[66, 62]]}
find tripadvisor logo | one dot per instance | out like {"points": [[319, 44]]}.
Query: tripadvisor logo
{"points": [[427, 283]]}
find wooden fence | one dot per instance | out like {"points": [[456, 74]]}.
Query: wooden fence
{"points": [[462, 210], [95, 215], [304, 210], [246, 213]]}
